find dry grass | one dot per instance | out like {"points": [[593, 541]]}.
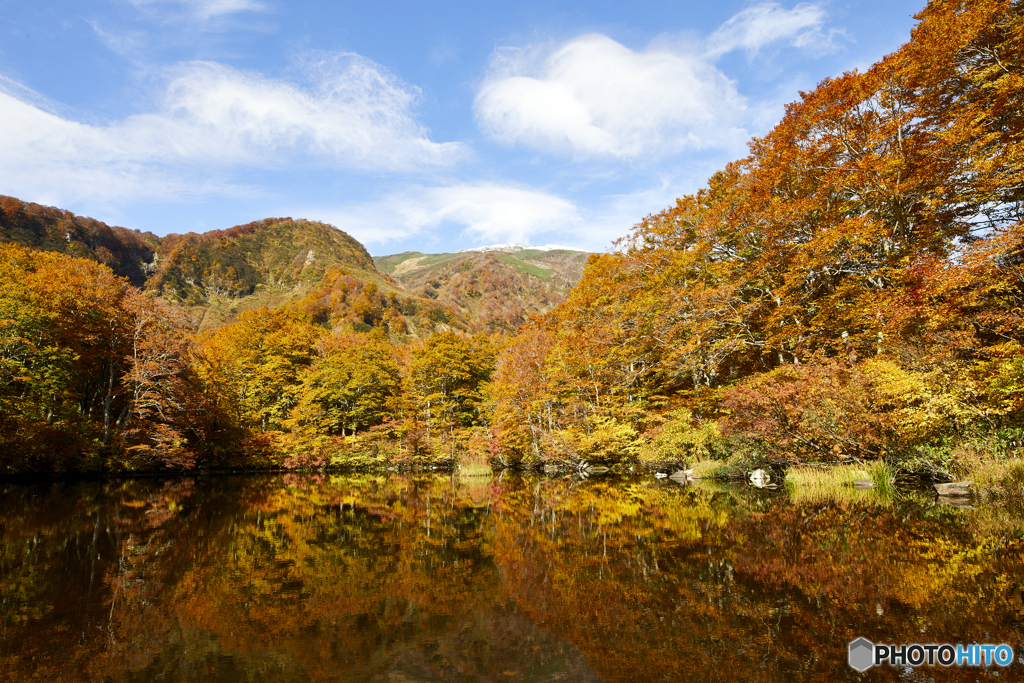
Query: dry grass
{"points": [[474, 464], [991, 468], [1000, 477]]}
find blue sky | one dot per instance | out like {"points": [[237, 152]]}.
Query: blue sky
{"points": [[429, 126]]}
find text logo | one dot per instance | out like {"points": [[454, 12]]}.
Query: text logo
{"points": [[863, 654]]}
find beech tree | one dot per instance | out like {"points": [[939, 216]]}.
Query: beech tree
{"points": [[878, 221], [445, 380], [93, 374], [252, 368], [355, 383]]}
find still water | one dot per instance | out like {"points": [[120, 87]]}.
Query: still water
{"points": [[441, 578]]}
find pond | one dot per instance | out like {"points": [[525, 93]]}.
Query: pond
{"points": [[504, 578]]}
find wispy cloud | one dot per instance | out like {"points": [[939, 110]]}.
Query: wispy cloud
{"points": [[123, 41], [464, 215], [344, 111], [206, 9], [482, 213], [767, 23]]}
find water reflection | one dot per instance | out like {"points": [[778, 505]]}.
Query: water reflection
{"points": [[434, 578]]}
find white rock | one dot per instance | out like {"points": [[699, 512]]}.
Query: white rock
{"points": [[759, 478]]}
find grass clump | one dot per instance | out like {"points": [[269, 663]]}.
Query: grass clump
{"points": [[836, 483], [475, 469], [992, 462], [734, 467], [998, 476], [473, 455], [1004, 477]]}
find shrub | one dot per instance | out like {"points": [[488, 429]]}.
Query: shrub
{"points": [[601, 439], [816, 411], [679, 439]]}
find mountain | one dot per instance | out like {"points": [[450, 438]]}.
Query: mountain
{"points": [[273, 262], [309, 266], [312, 267], [129, 253], [515, 248], [495, 288]]}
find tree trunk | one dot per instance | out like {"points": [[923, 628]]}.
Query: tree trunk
{"points": [[107, 401]]}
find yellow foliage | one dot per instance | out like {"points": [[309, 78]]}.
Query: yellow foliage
{"points": [[679, 440], [922, 403], [604, 439]]}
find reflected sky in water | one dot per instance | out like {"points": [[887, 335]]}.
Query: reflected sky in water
{"points": [[510, 578]]}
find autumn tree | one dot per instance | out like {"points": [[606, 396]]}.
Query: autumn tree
{"points": [[445, 380], [878, 220], [166, 419], [355, 383], [253, 368], [91, 370], [524, 402]]}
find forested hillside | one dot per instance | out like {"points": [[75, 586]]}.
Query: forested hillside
{"points": [[278, 262], [497, 290], [270, 262], [852, 291], [128, 253], [217, 275]]}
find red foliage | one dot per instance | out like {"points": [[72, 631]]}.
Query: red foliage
{"points": [[818, 410]]}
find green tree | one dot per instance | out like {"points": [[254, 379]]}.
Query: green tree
{"points": [[253, 367]]}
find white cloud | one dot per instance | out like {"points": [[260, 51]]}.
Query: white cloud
{"points": [[347, 112], [448, 218], [206, 9], [761, 25], [484, 213], [595, 97], [489, 212]]}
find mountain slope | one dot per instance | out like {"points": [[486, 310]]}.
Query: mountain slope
{"points": [[493, 288], [215, 276], [129, 253], [344, 299], [307, 265], [274, 262]]}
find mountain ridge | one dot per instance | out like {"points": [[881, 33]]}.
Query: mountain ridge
{"points": [[515, 247], [216, 275], [497, 289], [312, 267]]}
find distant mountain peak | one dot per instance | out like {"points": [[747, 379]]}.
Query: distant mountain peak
{"points": [[515, 248]]}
